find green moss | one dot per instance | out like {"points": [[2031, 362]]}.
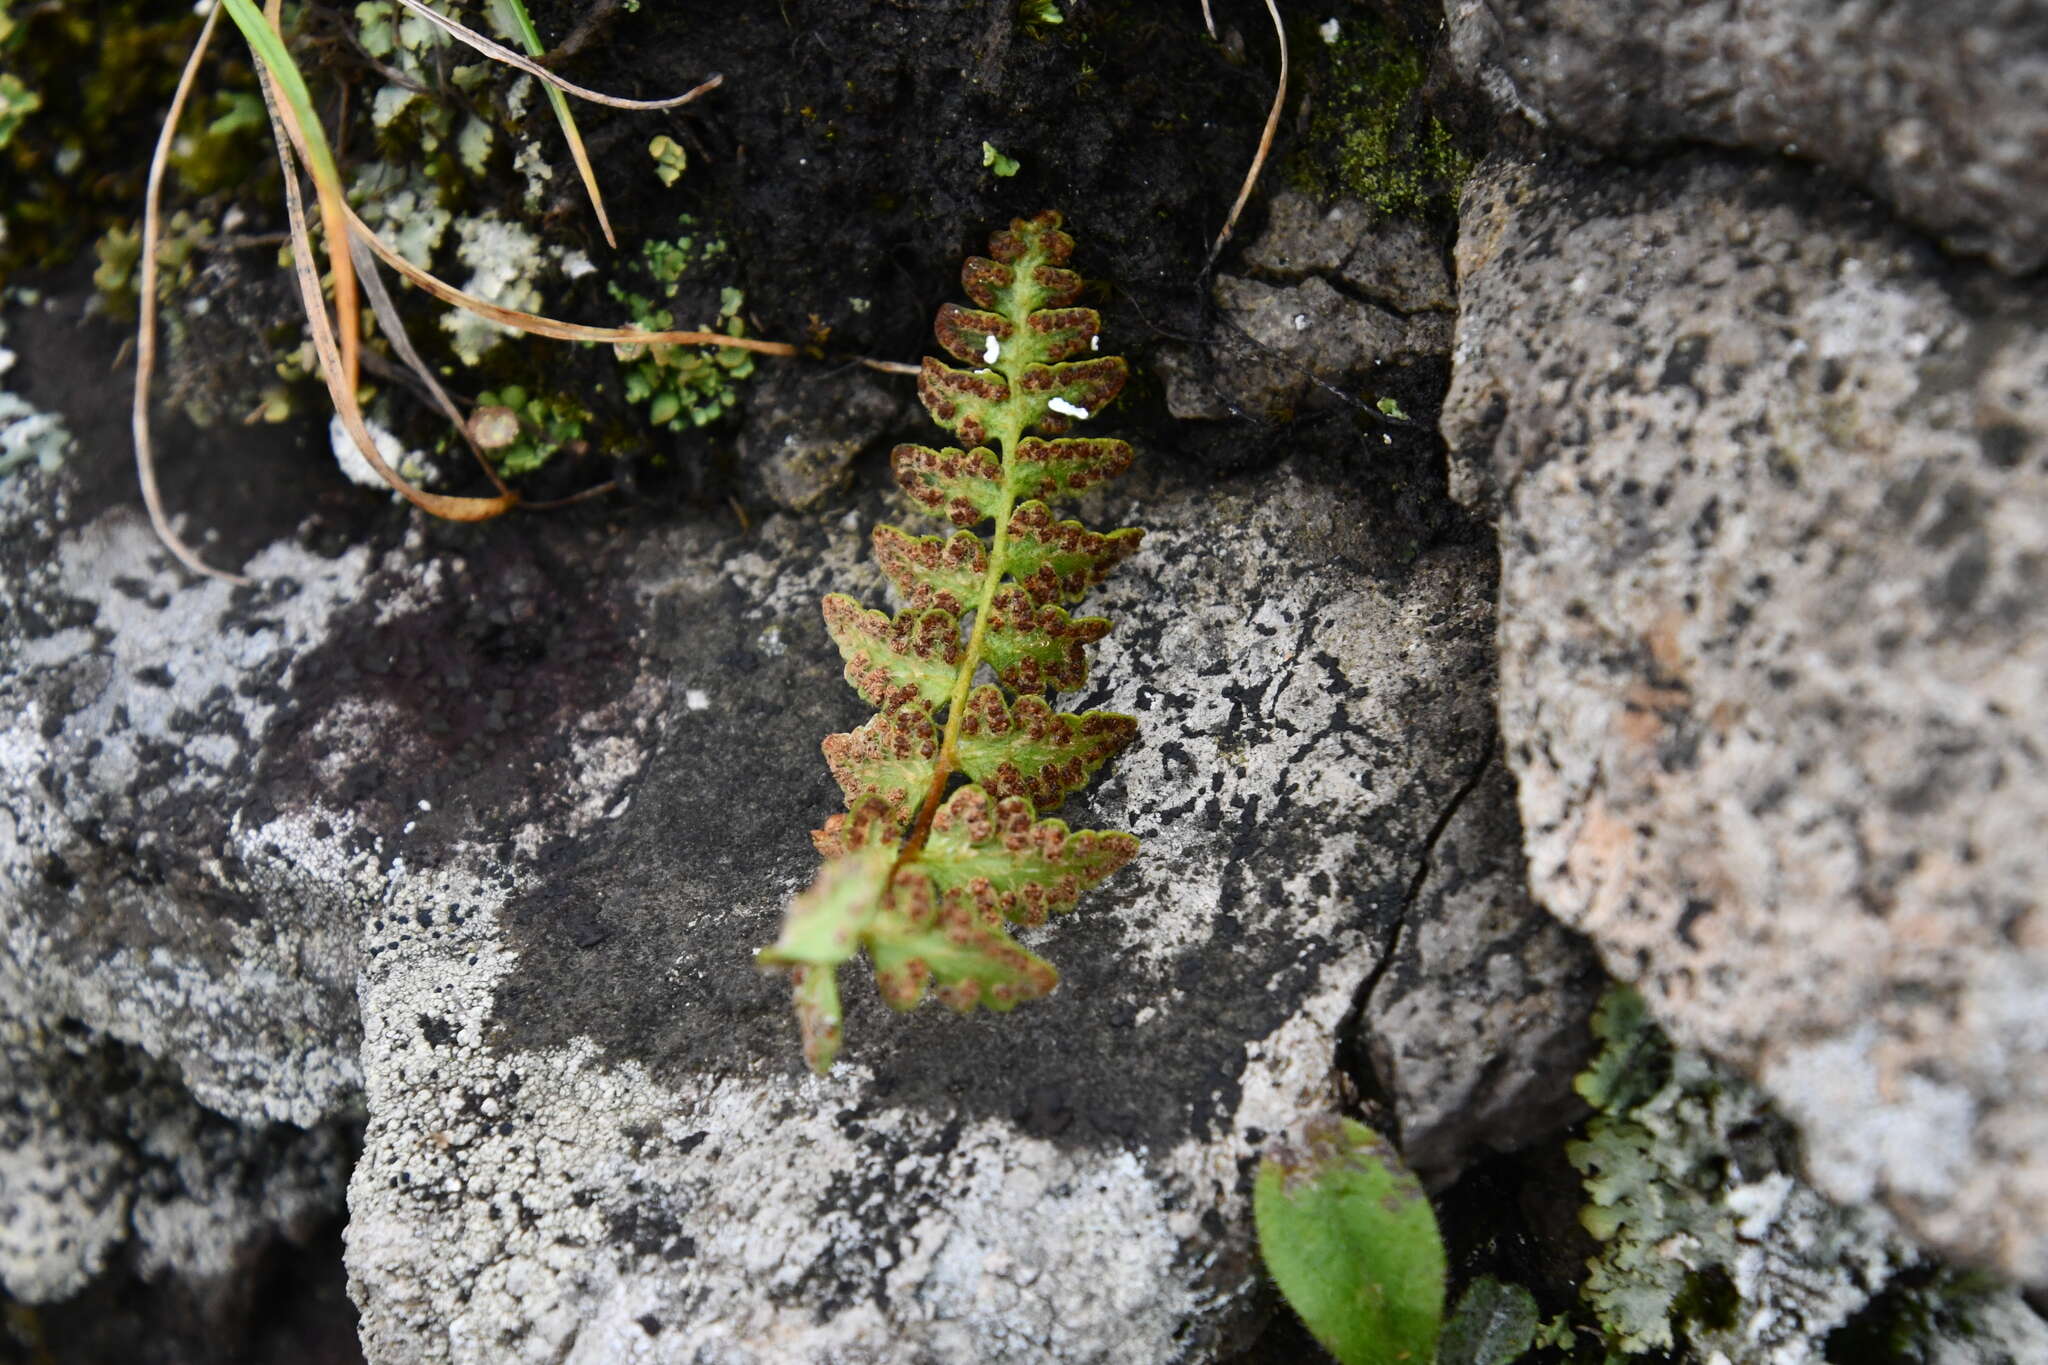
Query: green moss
{"points": [[682, 386], [1372, 135]]}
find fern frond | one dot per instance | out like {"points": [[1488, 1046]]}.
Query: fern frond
{"points": [[923, 872]]}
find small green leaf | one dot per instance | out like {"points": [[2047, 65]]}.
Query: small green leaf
{"points": [[825, 923], [893, 663], [931, 938], [891, 758], [1065, 468], [1009, 862], [1033, 647], [963, 485], [964, 402], [1053, 334], [816, 992], [1054, 397], [933, 571], [1349, 1237], [1392, 408], [1027, 272], [1059, 561], [1032, 751], [1493, 1324], [1003, 166]]}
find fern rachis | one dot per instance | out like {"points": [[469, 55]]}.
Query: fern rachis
{"points": [[924, 874]]}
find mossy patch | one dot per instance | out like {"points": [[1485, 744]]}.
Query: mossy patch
{"points": [[1372, 134]]}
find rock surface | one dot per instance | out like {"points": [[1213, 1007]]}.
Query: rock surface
{"points": [[1333, 293], [590, 1136], [1481, 1016], [1772, 480], [537, 790], [1940, 109]]}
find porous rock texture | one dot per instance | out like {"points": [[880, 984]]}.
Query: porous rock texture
{"points": [[1772, 484], [474, 831], [1942, 110]]}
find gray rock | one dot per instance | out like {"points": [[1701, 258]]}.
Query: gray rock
{"points": [[1392, 261], [1483, 1014], [591, 1137], [102, 1152], [1940, 109], [1338, 292], [804, 431], [1772, 481]]}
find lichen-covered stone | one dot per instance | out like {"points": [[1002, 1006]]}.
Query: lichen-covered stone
{"points": [[591, 1136], [1940, 109], [1772, 480]]}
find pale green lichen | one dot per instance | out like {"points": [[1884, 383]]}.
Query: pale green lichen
{"points": [[26, 435], [1712, 1247]]}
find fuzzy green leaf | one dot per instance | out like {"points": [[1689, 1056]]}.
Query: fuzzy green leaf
{"points": [[892, 663], [825, 926], [890, 759], [1350, 1239], [964, 402], [1010, 863], [1059, 561], [1032, 751], [964, 485], [929, 938], [933, 571], [1065, 468], [1493, 1324], [1049, 335], [1054, 397], [1033, 647]]}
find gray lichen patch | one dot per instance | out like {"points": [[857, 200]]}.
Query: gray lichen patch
{"points": [[1774, 522]]}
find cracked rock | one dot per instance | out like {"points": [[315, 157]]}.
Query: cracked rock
{"points": [[1482, 1017], [1341, 292], [1772, 480]]}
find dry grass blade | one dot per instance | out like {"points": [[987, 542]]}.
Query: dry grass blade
{"points": [[145, 327], [499, 52], [1251, 177], [549, 327], [513, 13], [340, 386], [394, 331]]}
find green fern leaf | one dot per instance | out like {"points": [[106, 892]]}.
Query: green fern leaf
{"points": [[930, 938], [891, 759], [1054, 397], [1057, 561], [964, 402], [1065, 468], [934, 571], [1011, 863], [965, 485], [919, 875], [1033, 647], [1032, 751], [892, 663]]}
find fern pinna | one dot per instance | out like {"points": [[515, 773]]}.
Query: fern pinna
{"points": [[924, 871]]}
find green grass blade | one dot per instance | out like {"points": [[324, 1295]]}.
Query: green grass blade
{"points": [[512, 14]]}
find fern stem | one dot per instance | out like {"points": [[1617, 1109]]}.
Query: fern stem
{"points": [[963, 683]]}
